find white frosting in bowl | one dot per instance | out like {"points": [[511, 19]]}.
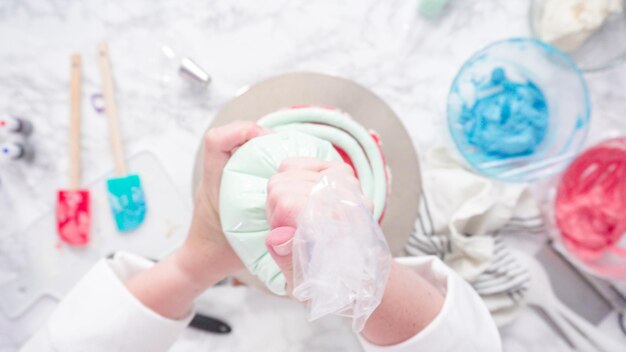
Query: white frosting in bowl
{"points": [[569, 23]]}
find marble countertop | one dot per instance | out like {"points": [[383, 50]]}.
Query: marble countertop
{"points": [[383, 45]]}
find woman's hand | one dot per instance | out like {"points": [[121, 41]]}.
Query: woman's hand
{"points": [[287, 193], [206, 235], [206, 257], [409, 302]]}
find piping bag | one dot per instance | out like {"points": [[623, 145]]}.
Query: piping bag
{"points": [[341, 260], [298, 132], [73, 209], [126, 196]]}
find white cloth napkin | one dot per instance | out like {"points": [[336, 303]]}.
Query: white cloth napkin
{"points": [[462, 216]]}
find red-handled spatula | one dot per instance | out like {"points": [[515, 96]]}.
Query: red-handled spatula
{"points": [[126, 195], [73, 209]]}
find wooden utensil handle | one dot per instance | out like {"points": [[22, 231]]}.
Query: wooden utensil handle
{"points": [[111, 109], [74, 176]]}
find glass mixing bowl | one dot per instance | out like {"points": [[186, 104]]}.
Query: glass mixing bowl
{"points": [[605, 48], [586, 206], [519, 110]]}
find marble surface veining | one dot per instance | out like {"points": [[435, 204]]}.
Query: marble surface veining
{"points": [[383, 45]]}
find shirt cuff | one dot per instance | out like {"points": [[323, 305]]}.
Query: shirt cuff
{"points": [[100, 314], [463, 324]]}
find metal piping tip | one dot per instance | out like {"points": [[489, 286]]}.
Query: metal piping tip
{"points": [[192, 72]]}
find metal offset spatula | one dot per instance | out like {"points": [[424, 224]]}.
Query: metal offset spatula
{"points": [[73, 208], [125, 194], [584, 336]]}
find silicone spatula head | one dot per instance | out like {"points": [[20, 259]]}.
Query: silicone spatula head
{"points": [[73, 214], [127, 202], [73, 209]]}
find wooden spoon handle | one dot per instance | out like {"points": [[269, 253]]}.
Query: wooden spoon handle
{"points": [[111, 109], [74, 177]]}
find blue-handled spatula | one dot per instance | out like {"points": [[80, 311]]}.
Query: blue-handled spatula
{"points": [[126, 197]]}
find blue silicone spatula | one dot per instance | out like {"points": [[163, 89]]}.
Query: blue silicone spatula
{"points": [[126, 197]]}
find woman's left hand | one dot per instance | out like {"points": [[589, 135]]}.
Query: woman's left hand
{"points": [[206, 257], [206, 235]]}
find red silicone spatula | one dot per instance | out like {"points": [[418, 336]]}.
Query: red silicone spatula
{"points": [[73, 210]]}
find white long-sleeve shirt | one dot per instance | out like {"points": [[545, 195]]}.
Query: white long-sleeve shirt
{"points": [[100, 314]]}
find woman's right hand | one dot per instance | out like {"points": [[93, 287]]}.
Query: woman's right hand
{"points": [[288, 192], [409, 303]]}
